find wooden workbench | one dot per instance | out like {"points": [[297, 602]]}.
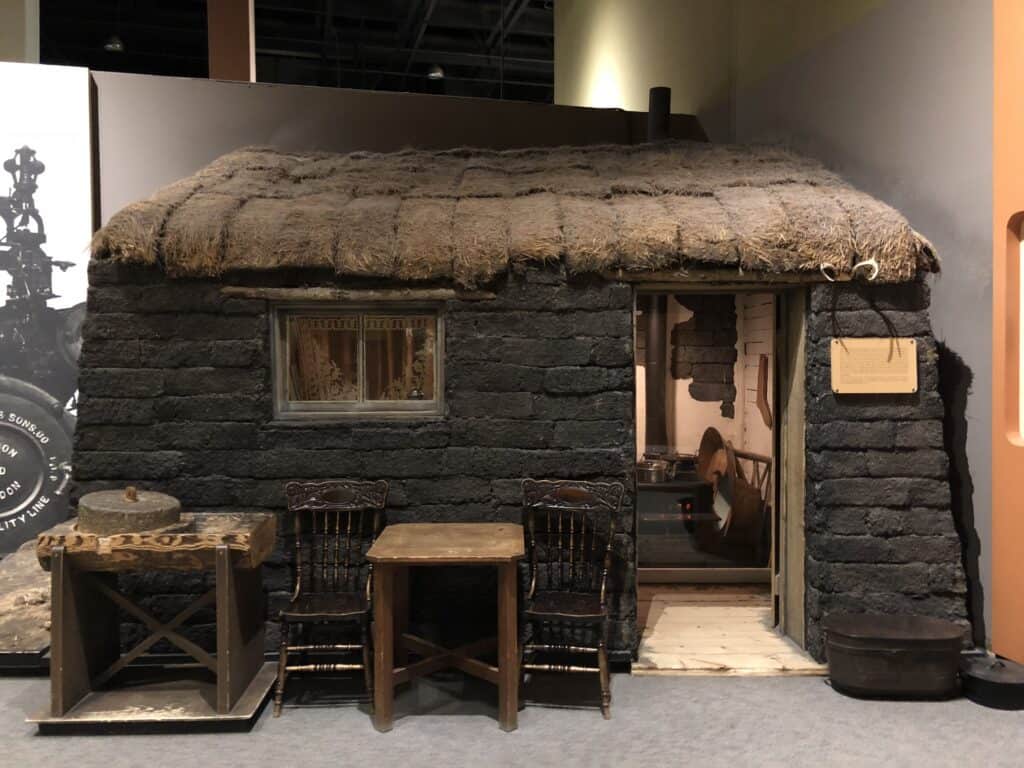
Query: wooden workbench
{"points": [[85, 642]]}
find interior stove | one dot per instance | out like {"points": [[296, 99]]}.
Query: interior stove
{"points": [[710, 509], [702, 511]]}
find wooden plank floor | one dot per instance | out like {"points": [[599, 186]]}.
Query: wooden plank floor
{"points": [[714, 630]]}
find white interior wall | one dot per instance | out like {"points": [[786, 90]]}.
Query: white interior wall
{"points": [[757, 338], [688, 418], [640, 407]]}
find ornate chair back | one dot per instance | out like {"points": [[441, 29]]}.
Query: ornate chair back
{"points": [[336, 521], [569, 529]]}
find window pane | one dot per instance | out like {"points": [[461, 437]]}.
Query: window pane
{"points": [[400, 357], [324, 364]]}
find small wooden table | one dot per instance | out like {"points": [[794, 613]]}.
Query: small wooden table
{"points": [[85, 643], [415, 544]]}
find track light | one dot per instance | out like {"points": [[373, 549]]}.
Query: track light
{"points": [[114, 44]]}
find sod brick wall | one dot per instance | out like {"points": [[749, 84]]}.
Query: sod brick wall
{"points": [[880, 532], [176, 396]]}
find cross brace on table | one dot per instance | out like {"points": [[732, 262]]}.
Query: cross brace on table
{"points": [[392, 643], [436, 657]]}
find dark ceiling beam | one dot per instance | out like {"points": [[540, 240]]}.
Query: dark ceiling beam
{"points": [[283, 35], [420, 30], [455, 14], [532, 22], [104, 27], [371, 11], [325, 22], [380, 40], [502, 28], [347, 51], [419, 76], [405, 31], [83, 53], [403, 36]]}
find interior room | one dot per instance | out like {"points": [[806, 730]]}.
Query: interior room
{"points": [[707, 519], [717, 359]]}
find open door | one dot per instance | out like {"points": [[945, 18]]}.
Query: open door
{"points": [[788, 564]]}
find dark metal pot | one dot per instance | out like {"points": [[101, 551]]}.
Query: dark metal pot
{"points": [[882, 656], [651, 471], [991, 682]]}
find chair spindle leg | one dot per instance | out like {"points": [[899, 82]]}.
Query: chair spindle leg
{"points": [[282, 670], [606, 692]]}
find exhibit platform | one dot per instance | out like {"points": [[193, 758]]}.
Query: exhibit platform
{"points": [[161, 700], [24, 611]]}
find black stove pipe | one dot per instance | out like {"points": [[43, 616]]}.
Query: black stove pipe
{"points": [[658, 112], [656, 307], [656, 428]]}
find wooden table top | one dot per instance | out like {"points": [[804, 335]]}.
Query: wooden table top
{"points": [[190, 545], [448, 544]]}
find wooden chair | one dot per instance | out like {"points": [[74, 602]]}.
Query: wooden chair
{"points": [[336, 521], [569, 531]]}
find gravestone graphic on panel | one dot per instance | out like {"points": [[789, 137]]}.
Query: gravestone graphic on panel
{"points": [[39, 348]]}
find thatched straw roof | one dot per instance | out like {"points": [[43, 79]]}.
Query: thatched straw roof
{"points": [[465, 215]]}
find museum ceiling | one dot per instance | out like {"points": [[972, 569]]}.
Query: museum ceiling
{"points": [[484, 48]]}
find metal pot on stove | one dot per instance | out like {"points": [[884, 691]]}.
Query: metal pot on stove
{"points": [[652, 471]]}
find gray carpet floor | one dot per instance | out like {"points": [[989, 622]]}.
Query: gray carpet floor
{"points": [[447, 721]]}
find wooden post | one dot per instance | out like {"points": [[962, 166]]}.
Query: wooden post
{"points": [[383, 646], [19, 31], [789, 546], [508, 647], [84, 633], [239, 629], [232, 40]]}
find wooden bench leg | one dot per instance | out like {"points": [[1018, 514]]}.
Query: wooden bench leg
{"points": [[240, 622], [85, 635]]}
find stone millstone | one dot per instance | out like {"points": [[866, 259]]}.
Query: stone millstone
{"points": [[128, 511]]}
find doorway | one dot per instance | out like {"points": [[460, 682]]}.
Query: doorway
{"points": [[719, 410]]}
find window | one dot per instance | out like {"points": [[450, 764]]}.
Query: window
{"points": [[380, 361]]}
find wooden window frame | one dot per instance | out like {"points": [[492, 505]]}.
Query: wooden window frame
{"points": [[362, 410]]}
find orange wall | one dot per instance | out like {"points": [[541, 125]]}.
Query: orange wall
{"points": [[1007, 443]]}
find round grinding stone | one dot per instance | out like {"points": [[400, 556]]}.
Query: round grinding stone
{"points": [[127, 511]]}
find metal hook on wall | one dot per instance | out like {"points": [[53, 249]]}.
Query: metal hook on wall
{"points": [[871, 264]]}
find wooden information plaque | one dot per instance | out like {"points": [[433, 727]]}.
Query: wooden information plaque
{"points": [[874, 366]]}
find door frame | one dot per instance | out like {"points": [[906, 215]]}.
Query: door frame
{"points": [[785, 571], [789, 551]]}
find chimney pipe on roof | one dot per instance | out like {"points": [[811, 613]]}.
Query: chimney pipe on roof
{"points": [[658, 110], [656, 314]]}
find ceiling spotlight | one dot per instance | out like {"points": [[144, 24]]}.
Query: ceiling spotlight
{"points": [[435, 72], [114, 44]]}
